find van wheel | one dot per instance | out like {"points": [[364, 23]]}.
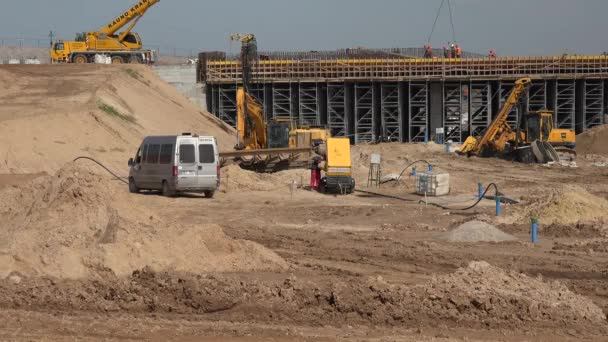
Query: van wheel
{"points": [[209, 194], [166, 191], [132, 186]]}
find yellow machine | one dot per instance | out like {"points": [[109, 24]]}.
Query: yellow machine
{"points": [[121, 47], [534, 140], [253, 131], [338, 168]]}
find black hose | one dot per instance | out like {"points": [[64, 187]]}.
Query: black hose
{"points": [[407, 167], [103, 166], [387, 196], [437, 205], [469, 207]]}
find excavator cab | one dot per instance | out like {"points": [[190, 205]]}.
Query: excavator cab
{"points": [[539, 126]]}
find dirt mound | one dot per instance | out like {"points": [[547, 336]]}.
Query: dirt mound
{"points": [[234, 178], [50, 114], [571, 204], [484, 292], [477, 231], [77, 224], [594, 141]]}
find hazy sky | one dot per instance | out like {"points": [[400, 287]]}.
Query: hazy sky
{"points": [[524, 27]]}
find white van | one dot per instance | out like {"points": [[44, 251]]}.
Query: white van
{"points": [[174, 164]]}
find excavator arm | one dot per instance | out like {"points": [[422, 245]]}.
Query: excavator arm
{"points": [[250, 125], [499, 132], [134, 13]]}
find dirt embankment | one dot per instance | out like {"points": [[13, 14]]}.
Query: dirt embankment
{"points": [[479, 295], [77, 224], [50, 114], [594, 141]]}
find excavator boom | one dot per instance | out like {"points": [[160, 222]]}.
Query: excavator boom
{"points": [[499, 131]]}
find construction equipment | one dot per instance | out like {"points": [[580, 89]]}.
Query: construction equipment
{"points": [[533, 140], [338, 167], [258, 138], [121, 47]]}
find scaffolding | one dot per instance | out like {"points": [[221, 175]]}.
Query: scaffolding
{"points": [[282, 102], [453, 114], [336, 109], [365, 123], [309, 113], [418, 111], [391, 112], [480, 107], [227, 104], [565, 103], [593, 99], [406, 99]]}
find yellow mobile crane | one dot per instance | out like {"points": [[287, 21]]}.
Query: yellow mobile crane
{"points": [[533, 140], [122, 47]]}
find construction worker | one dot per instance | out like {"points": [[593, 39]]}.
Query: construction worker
{"points": [[428, 51], [492, 54], [446, 52], [315, 173], [452, 50], [458, 51]]}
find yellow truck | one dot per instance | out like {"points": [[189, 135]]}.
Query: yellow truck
{"points": [[121, 47], [338, 177]]}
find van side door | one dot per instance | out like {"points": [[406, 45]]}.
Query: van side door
{"points": [[207, 163], [186, 163]]}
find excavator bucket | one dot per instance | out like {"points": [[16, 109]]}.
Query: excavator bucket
{"points": [[468, 145]]}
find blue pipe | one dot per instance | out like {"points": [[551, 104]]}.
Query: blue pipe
{"points": [[497, 205], [479, 191], [534, 230]]}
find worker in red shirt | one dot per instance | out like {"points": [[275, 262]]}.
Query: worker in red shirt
{"points": [[458, 51], [315, 173], [492, 54]]}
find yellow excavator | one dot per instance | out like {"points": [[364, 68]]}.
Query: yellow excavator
{"points": [[121, 47], [262, 141], [533, 140]]}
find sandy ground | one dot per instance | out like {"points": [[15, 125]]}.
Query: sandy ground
{"points": [[82, 259]]}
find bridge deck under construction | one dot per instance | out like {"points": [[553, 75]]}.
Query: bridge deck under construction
{"points": [[408, 99]]}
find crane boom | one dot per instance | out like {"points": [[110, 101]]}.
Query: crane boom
{"points": [[134, 13]]}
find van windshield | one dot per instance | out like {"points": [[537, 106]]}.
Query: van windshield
{"points": [[186, 154], [206, 154]]}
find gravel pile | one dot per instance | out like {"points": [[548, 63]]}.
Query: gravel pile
{"points": [[477, 231]]}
